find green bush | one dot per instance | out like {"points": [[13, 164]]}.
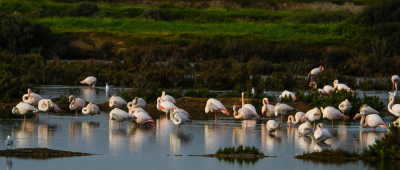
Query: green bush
{"points": [[104, 14], [320, 17], [387, 11], [386, 148], [83, 9], [239, 150], [155, 14], [200, 93], [40, 13]]}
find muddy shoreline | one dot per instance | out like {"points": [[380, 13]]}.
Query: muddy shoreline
{"points": [[41, 153]]}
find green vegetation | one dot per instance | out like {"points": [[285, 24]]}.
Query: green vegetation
{"points": [[330, 155], [239, 150]]}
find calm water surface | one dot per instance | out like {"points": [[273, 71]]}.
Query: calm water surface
{"points": [[154, 148]]}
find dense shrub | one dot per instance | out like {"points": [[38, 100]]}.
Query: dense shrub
{"points": [[83, 9], [155, 14], [320, 17], [40, 13], [104, 14], [386, 148], [387, 11]]}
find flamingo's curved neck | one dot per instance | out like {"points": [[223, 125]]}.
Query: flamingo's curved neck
{"points": [[242, 99], [363, 122], [276, 126], [291, 119], [236, 113], [264, 102], [390, 105]]}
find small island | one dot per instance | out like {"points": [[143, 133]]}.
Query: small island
{"points": [[40, 153]]}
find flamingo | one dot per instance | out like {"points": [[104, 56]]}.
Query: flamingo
{"points": [[328, 88], [31, 98], [244, 113], [116, 101], [367, 110], [313, 115], [165, 106], [268, 109], [179, 117], [90, 81], [249, 106], [213, 105], [23, 109], [9, 141], [91, 109], [321, 134], [393, 108], [76, 104], [272, 125], [298, 119], [281, 108], [46, 105], [321, 92], [316, 71], [332, 114], [287, 94], [142, 117], [119, 115], [340, 86], [395, 79], [165, 97], [108, 87], [139, 102], [345, 106], [305, 128], [372, 120]]}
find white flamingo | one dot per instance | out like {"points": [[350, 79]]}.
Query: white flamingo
{"points": [[91, 109], [213, 105], [46, 105], [305, 128], [142, 117], [395, 79], [339, 86], [24, 109], [116, 101], [243, 113], [367, 110], [9, 141], [332, 114], [76, 104], [165, 97], [90, 81], [298, 118], [281, 108], [165, 106], [328, 88], [393, 108], [267, 109], [120, 116], [316, 71], [321, 134], [272, 125], [372, 120], [313, 115], [321, 92], [180, 116], [287, 94], [249, 106], [139, 102], [345, 106], [31, 98]]}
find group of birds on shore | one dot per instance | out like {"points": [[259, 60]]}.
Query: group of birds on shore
{"points": [[34, 103]]}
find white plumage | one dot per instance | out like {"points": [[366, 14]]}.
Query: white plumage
{"points": [[321, 134], [213, 105], [372, 120], [120, 116], [305, 128], [272, 125], [76, 104], [116, 101], [367, 110], [24, 109], [393, 108], [281, 108], [316, 71], [296, 119], [90, 81], [9, 141], [139, 102], [339, 86], [165, 97], [91, 109], [165, 106], [345, 106], [31, 98], [267, 109], [287, 94], [180, 116], [46, 105]]}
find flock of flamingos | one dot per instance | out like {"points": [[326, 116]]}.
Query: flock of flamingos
{"points": [[34, 103]]}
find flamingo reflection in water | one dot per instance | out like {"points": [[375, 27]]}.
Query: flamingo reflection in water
{"points": [[139, 138], [87, 130], [245, 133], [177, 141], [216, 137]]}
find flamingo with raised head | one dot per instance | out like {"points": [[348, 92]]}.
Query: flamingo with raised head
{"points": [[395, 79], [372, 120], [142, 117], [313, 115], [249, 106], [31, 98], [316, 71], [24, 109], [332, 114], [321, 92], [46, 105], [393, 108], [91, 109], [76, 104], [165, 106], [243, 113], [345, 106], [296, 119], [328, 89], [288, 94], [339, 86], [281, 108], [165, 97], [268, 109], [305, 128], [139, 102], [179, 117], [213, 105], [91, 81], [321, 134], [119, 115], [116, 101], [367, 110], [272, 125], [9, 141]]}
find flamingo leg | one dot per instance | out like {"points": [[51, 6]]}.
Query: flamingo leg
{"points": [[47, 117], [373, 129], [313, 127], [90, 117], [281, 119], [36, 116], [119, 125], [269, 118], [332, 125], [76, 114], [215, 116]]}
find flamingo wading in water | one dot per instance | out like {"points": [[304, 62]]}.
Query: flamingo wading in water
{"points": [[321, 134], [213, 105], [120, 116], [313, 115], [332, 114], [116, 101], [272, 126], [46, 105], [91, 109], [393, 108], [267, 109], [165, 106], [24, 109], [31, 98], [76, 104], [372, 120], [244, 113], [142, 117], [345, 106], [139, 102], [281, 108], [298, 118], [305, 128], [91, 81], [179, 117]]}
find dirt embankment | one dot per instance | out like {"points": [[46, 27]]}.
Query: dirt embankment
{"points": [[41, 153]]}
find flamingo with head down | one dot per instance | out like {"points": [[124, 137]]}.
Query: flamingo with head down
{"points": [[91, 81], [213, 105], [339, 86], [281, 108], [316, 71], [91, 109], [288, 94], [372, 120], [142, 117], [120, 116], [328, 88], [298, 119], [268, 109], [76, 104], [116, 101], [332, 114], [313, 115]]}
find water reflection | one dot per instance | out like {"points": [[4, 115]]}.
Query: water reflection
{"points": [[239, 161], [164, 128], [45, 135], [74, 132], [178, 141], [88, 94], [24, 136], [216, 137], [9, 164], [87, 131], [139, 137], [367, 138], [245, 134], [117, 140]]}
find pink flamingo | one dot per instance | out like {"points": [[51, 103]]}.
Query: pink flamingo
{"points": [[76, 104], [267, 109], [91, 109], [395, 79], [316, 71], [46, 105], [165, 97], [332, 114], [213, 105], [116, 101], [90, 81], [165, 106], [244, 113], [120, 116], [372, 120], [32, 98]]}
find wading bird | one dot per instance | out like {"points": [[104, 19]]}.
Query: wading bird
{"points": [[332, 114], [91, 81], [321, 134], [116, 101], [213, 105], [76, 104], [24, 109], [372, 120], [268, 109], [91, 109], [31, 98], [120, 116]]}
